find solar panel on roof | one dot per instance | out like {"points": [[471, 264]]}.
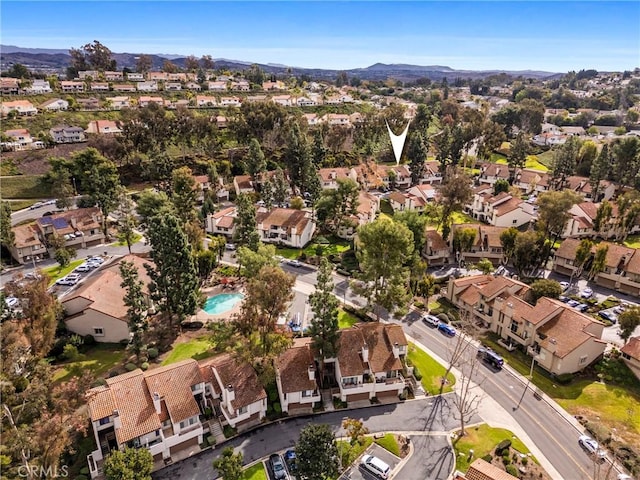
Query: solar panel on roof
{"points": [[45, 220], [59, 223]]}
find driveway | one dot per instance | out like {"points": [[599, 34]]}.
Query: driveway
{"points": [[357, 472]]}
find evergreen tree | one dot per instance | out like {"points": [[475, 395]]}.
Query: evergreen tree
{"points": [[336, 206], [135, 301], [603, 215], [229, 464], [417, 151], [128, 464], [174, 279], [184, 194], [7, 237], [317, 453], [319, 151], [517, 155], [324, 326], [564, 162], [599, 170], [266, 193], [280, 187], [246, 233], [126, 221], [254, 161]]}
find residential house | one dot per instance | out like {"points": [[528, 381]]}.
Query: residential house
{"points": [[173, 86], [230, 102], [21, 107], [531, 181], [256, 98], [561, 339], [90, 103], [80, 228], [482, 470], [217, 86], [401, 201], [435, 250], [124, 87], [20, 140], [67, 134], [284, 100], [243, 184], [144, 101], [55, 105], [631, 355], [118, 103], [502, 210], [222, 222], [312, 119], [203, 185], [103, 127], [356, 118], [159, 410], [221, 121], [368, 207], [114, 76], [135, 77], [396, 176], [193, 86], [96, 307], [88, 75], [28, 245], [277, 85], [490, 173], [148, 86], [486, 243], [38, 87], [305, 102], [177, 77], [9, 86], [70, 86], [240, 86], [431, 173], [234, 390], [369, 363], [426, 191], [329, 176], [296, 378], [286, 226], [157, 76], [206, 101], [340, 119], [99, 87]]}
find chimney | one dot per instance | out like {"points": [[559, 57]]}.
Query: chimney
{"points": [[365, 353], [553, 346], [508, 310], [117, 423], [156, 402], [396, 350], [231, 396], [311, 371]]}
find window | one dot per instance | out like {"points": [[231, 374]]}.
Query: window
{"points": [[189, 421], [243, 410], [514, 221], [514, 327], [307, 393], [350, 381], [583, 360], [98, 331], [104, 421]]}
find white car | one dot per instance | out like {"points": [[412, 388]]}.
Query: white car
{"points": [[564, 285], [96, 259], [12, 302], [294, 263], [85, 267], [591, 446], [376, 466], [70, 279], [586, 293]]}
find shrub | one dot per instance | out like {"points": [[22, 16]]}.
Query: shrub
{"points": [[487, 458], [506, 460], [512, 470], [564, 379], [130, 367], [143, 359], [418, 304], [277, 408], [81, 477], [443, 317], [152, 353], [76, 340], [58, 347], [417, 374], [524, 461], [144, 366], [85, 202], [112, 373], [89, 340], [84, 471], [70, 352], [20, 384], [503, 445]]}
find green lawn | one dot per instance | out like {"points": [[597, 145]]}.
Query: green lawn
{"points": [[23, 186], [99, 360], [385, 207], [335, 246], [350, 453], [256, 472], [546, 158], [430, 370], [136, 238], [389, 442], [346, 320], [55, 273], [633, 241], [459, 217], [534, 163], [20, 205], [498, 158], [483, 439], [197, 348]]}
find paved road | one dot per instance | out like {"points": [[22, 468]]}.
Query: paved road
{"points": [[430, 414], [32, 214]]}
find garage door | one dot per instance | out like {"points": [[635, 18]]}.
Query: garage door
{"points": [[357, 396], [388, 394], [185, 445]]}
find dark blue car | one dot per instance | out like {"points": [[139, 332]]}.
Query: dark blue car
{"points": [[447, 329]]}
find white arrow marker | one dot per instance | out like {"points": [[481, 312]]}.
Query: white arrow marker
{"points": [[397, 141]]}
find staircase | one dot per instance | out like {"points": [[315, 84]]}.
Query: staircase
{"points": [[215, 429]]}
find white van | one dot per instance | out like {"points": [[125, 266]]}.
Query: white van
{"points": [[376, 466]]}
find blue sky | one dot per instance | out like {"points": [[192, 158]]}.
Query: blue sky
{"points": [[517, 35]]}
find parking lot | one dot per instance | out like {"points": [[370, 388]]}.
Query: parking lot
{"points": [[358, 472]]}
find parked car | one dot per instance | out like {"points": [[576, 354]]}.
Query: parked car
{"points": [[612, 317], [447, 329], [70, 279], [586, 293], [230, 246], [277, 465], [564, 285], [582, 307], [431, 320], [12, 302], [376, 466], [96, 259], [36, 205], [492, 358], [290, 460], [592, 447], [619, 309], [294, 263], [573, 303], [85, 267]]}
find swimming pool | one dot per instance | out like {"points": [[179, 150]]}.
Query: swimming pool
{"points": [[222, 303]]}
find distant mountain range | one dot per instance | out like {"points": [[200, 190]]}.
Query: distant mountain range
{"points": [[59, 59]]}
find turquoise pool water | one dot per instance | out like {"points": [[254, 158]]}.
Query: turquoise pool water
{"points": [[222, 303]]}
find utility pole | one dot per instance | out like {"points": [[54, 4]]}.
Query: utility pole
{"points": [[533, 361]]}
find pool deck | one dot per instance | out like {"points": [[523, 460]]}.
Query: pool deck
{"points": [[205, 317]]}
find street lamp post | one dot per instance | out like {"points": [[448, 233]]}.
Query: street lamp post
{"points": [[526, 387]]}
